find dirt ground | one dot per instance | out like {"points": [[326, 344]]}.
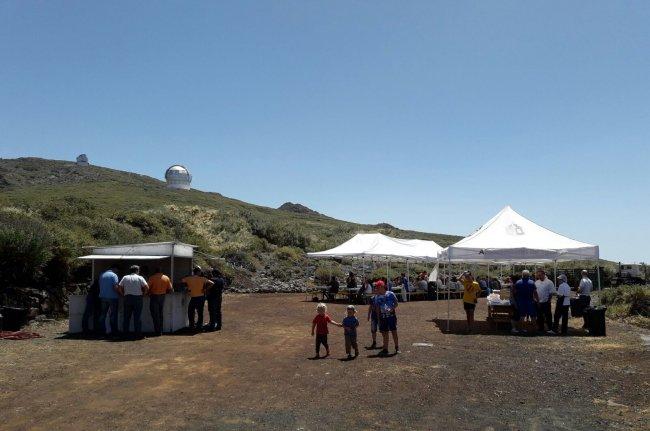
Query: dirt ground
{"points": [[255, 374]]}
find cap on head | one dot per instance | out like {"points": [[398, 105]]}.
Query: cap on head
{"points": [[197, 270], [585, 272], [525, 273], [379, 284], [561, 277], [351, 307]]}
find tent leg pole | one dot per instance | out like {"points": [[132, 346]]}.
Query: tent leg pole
{"points": [[448, 295], [555, 273], [598, 274]]}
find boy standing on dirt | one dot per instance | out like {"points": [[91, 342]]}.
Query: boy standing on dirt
{"points": [[385, 305], [373, 318], [350, 324], [320, 324]]}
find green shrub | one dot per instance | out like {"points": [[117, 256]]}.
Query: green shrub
{"points": [[24, 249], [325, 270], [626, 301], [147, 223], [57, 210], [289, 254]]}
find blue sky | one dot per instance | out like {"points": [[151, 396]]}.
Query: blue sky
{"points": [[426, 115]]}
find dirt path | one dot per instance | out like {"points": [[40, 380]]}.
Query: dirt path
{"points": [[255, 375]]}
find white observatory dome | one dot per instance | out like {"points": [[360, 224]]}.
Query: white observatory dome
{"points": [[82, 160], [178, 177]]}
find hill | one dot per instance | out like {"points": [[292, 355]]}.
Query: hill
{"points": [[297, 208], [75, 206]]}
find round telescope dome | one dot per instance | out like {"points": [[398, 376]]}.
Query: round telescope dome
{"points": [[178, 177], [82, 159]]}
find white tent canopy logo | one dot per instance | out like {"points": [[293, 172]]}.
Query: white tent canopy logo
{"points": [[514, 229]]}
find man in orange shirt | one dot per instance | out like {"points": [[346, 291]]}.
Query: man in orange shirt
{"points": [[159, 286], [196, 286]]}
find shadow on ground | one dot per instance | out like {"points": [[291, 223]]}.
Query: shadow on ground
{"points": [[459, 327]]}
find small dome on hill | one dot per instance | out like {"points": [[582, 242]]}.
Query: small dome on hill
{"points": [[178, 177], [82, 160]]}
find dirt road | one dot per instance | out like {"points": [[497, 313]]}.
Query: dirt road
{"points": [[255, 374]]}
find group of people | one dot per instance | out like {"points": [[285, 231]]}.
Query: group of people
{"points": [[531, 300], [103, 300], [381, 315], [365, 288]]}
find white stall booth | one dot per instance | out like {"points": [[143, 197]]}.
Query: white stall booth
{"points": [[172, 258]]}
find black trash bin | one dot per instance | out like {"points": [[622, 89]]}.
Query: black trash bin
{"points": [[13, 318], [578, 306], [595, 320]]}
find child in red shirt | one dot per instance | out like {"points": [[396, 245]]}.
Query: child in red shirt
{"points": [[320, 323]]}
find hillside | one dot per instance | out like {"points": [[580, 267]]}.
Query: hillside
{"points": [[89, 205]]}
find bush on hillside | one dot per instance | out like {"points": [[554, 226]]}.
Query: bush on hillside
{"points": [[147, 223], [628, 300], [24, 249], [289, 254], [59, 209], [278, 233], [325, 270]]}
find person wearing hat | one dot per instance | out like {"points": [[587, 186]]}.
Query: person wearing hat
{"points": [[385, 303], [562, 305]]}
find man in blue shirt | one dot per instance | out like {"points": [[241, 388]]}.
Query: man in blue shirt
{"points": [[109, 297], [385, 303]]}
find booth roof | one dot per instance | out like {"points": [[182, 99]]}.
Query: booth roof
{"points": [[511, 237], [377, 245]]}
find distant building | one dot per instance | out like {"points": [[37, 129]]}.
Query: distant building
{"points": [[82, 160], [178, 177]]}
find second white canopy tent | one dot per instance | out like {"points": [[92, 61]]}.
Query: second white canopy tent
{"points": [[378, 247]]}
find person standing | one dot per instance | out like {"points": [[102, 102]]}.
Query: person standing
{"points": [[159, 286], [545, 290], [215, 295], [562, 305], [93, 310], [385, 303], [196, 287], [109, 300], [405, 286], [133, 287], [471, 291], [333, 289], [525, 296], [584, 291]]}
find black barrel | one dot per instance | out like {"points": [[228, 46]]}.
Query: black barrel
{"points": [[578, 306], [14, 318], [595, 317]]}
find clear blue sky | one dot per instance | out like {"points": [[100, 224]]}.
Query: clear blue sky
{"points": [[426, 115]]}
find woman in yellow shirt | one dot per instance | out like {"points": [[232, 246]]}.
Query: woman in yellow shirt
{"points": [[470, 297]]}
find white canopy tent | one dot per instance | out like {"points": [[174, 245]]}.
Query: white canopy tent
{"points": [[509, 237], [377, 245]]}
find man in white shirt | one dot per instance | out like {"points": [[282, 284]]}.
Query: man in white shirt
{"points": [[584, 290], [562, 305], [545, 290], [132, 287]]}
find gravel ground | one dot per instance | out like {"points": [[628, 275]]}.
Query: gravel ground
{"points": [[255, 374]]}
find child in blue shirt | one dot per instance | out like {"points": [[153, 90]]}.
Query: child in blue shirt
{"points": [[350, 324]]}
